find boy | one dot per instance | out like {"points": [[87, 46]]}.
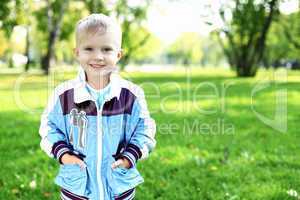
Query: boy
{"points": [[97, 126]]}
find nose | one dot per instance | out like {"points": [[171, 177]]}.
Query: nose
{"points": [[99, 55]]}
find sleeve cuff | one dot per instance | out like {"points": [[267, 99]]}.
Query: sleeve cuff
{"points": [[59, 149], [132, 153]]}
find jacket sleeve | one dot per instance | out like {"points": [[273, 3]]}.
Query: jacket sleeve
{"points": [[52, 129], [142, 130]]}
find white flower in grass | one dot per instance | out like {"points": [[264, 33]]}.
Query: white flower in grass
{"points": [[292, 193], [32, 184]]}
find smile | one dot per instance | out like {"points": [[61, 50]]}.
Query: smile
{"points": [[96, 65]]}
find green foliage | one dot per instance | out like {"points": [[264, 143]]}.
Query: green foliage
{"points": [[96, 6], [45, 25], [255, 162], [42, 18], [66, 41], [4, 9], [75, 12], [4, 43], [246, 32], [212, 51], [187, 49], [130, 17], [7, 18], [292, 32], [151, 48], [280, 43], [42, 22]]}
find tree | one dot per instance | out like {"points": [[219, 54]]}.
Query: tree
{"points": [[277, 46], [283, 40], [246, 33], [292, 29], [96, 6], [131, 16], [151, 48], [27, 18], [51, 25], [3, 42], [9, 17], [212, 52], [187, 49], [66, 40]]}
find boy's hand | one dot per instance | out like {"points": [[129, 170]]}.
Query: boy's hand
{"points": [[71, 159], [123, 162]]}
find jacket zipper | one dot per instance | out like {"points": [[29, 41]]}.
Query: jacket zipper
{"points": [[99, 146]]}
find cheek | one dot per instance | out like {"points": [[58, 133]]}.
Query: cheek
{"points": [[83, 58], [114, 58]]}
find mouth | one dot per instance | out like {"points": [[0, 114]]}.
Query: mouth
{"points": [[96, 65]]}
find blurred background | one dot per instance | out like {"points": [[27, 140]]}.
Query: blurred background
{"points": [[241, 35], [221, 78]]}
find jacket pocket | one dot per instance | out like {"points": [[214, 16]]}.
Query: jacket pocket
{"points": [[72, 178], [124, 179]]}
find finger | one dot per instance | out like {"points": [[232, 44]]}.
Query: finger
{"points": [[81, 164], [116, 164]]}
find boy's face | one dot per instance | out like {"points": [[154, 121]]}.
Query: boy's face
{"points": [[98, 53]]}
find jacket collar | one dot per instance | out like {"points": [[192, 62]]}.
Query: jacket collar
{"points": [[81, 93]]}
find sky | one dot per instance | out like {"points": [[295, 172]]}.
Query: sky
{"points": [[167, 19]]}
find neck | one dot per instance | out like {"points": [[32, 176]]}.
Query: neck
{"points": [[99, 84]]}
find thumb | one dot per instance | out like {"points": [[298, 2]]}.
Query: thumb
{"points": [[81, 164], [116, 164]]}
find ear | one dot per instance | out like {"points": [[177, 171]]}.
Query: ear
{"points": [[120, 54], [76, 52]]}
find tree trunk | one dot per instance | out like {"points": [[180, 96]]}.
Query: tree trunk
{"points": [[27, 49], [262, 40], [246, 57], [54, 29], [245, 70], [46, 59]]}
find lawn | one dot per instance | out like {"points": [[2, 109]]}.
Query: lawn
{"points": [[216, 137]]}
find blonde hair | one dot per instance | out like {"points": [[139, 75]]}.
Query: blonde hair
{"points": [[100, 24]]}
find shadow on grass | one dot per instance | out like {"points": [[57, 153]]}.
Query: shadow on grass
{"points": [[22, 161], [187, 163]]}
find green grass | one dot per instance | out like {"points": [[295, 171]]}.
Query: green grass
{"points": [[194, 159]]}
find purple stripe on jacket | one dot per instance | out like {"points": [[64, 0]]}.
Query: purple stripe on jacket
{"points": [[59, 149], [122, 106], [67, 104], [72, 196], [132, 153], [125, 194], [115, 106]]}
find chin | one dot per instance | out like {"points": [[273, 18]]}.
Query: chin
{"points": [[99, 73]]}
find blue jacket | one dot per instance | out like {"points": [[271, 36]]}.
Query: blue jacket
{"points": [[121, 126]]}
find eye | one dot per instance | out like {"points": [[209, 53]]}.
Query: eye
{"points": [[107, 49], [88, 49]]}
